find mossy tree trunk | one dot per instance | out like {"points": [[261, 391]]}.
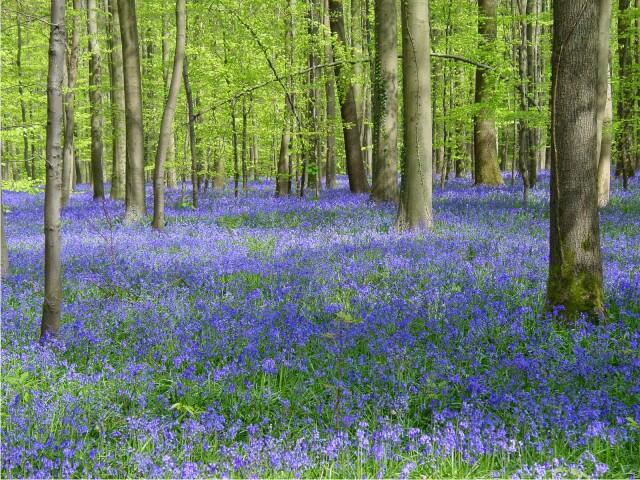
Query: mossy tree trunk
{"points": [[575, 280]]}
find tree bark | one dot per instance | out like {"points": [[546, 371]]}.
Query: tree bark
{"points": [[135, 207], [385, 105], [4, 250], [348, 109], [244, 145], [95, 101], [575, 264], [625, 95], [330, 93], [283, 176], [487, 170], [415, 210], [168, 115], [68, 151], [23, 105], [118, 122], [50, 325], [195, 180], [605, 110]]}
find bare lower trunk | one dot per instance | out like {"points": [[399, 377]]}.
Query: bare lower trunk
{"points": [[330, 93], [487, 170], [385, 113], [575, 282], [167, 117], [53, 188], [348, 110], [135, 207], [195, 180], [69, 107], [95, 101], [605, 108], [118, 122], [415, 210]]}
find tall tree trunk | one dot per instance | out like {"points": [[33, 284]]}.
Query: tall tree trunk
{"points": [[4, 251], [605, 109], [118, 122], [487, 170], [312, 152], [68, 151], [575, 262], [283, 176], [168, 115], [385, 105], [254, 145], [523, 127], [330, 93], [23, 105], [415, 210], [244, 144], [95, 101], [53, 188], [626, 93], [195, 180], [234, 145], [172, 179], [349, 111], [533, 80], [135, 207]]}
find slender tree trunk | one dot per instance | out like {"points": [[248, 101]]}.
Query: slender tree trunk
{"points": [[167, 117], [118, 121], [234, 145], [330, 93], [135, 207], [487, 170], [533, 79], [415, 210], [605, 110], [254, 145], [69, 107], [244, 145], [385, 105], [523, 128], [95, 101], [195, 180], [53, 188], [4, 250], [626, 93], [575, 262], [171, 176], [23, 105], [349, 111], [283, 175]]}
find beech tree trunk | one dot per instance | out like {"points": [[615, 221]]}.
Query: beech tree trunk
{"points": [[51, 307], [167, 117], [330, 93], [575, 282], [118, 122], [23, 105], [283, 174], [195, 181], [68, 151], [487, 169], [349, 110], [385, 106], [4, 251], [95, 101], [415, 210], [605, 109], [624, 165], [135, 207]]}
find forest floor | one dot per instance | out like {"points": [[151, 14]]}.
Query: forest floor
{"points": [[285, 337]]}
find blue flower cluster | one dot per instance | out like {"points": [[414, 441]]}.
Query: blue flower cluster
{"points": [[290, 337]]}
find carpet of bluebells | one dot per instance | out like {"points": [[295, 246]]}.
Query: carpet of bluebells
{"points": [[264, 337]]}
